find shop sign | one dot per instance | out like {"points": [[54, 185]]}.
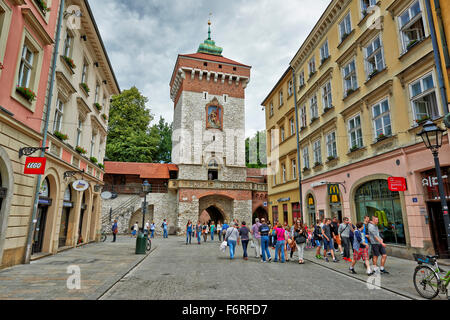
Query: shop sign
{"points": [[334, 193], [284, 199], [431, 181], [45, 202], [397, 184], [80, 185], [35, 165], [67, 204], [265, 204]]}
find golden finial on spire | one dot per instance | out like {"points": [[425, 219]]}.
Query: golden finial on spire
{"points": [[209, 20]]}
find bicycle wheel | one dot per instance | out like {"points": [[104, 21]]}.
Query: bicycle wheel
{"points": [[103, 237], [426, 282], [149, 244]]}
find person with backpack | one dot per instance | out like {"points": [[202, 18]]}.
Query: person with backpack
{"points": [[244, 235], [328, 240], [264, 230], [231, 237], [115, 230], [360, 249], [300, 237], [317, 236], [224, 229], [346, 230]]}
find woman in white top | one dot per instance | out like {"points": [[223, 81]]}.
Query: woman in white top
{"points": [[219, 231]]}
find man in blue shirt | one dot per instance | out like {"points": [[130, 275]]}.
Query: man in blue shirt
{"points": [[224, 228]]}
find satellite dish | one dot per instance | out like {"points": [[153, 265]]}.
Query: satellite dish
{"points": [[106, 195]]}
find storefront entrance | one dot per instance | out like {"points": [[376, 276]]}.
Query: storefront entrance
{"points": [[311, 210], [80, 225], [65, 217], [437, 226], [44, 203]]}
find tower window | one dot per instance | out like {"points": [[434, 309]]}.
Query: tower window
{"points": [[205, 64], [220, 66], [234, 68]]}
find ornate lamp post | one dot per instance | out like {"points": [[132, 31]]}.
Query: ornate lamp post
{"points": [[432, 135], [146, 187]]}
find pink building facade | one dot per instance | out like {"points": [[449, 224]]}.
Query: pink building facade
{"points": [[414, 214], [27, 31]]}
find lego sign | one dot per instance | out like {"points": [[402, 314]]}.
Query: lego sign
{"points": [[397, 184], [35, 165]]}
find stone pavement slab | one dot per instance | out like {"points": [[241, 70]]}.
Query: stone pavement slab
{"points": [[101, 265]]}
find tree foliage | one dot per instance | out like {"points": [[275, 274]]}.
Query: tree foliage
{"points": [[255, 151], [164, 149]]}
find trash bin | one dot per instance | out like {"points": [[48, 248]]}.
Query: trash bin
{"points": [[141, 243]]}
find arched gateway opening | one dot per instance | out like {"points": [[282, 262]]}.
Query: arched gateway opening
{"points": [[212, 214], [260, 213], [215, 208]]}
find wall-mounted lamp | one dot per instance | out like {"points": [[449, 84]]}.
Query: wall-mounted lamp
{"points": [[84, 37], [105, 82], [96, 64]]}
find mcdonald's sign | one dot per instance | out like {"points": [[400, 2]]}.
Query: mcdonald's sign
{"points": [[334, 193]]}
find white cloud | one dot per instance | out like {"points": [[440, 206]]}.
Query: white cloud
{"points": [[143, 39]]}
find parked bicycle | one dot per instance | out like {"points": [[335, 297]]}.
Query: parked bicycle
{"points": [[103, 237], [429, 278]]}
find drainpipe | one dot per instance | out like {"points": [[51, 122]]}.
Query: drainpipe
{"points": [[33, 221], [437, 7], [437, 58], [298, 146]]}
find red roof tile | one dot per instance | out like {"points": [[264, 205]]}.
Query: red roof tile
{"points": [[211, 57], [144, 170]]}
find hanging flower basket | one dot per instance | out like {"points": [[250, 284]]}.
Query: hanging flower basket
{"points": [[93, 159], [43, 6], [101, 166], [354, 148], [105, 117], [26, 93], [60, 136], [422, 120], [98, 106], [80, 150], [85, 87], [69, 62]]}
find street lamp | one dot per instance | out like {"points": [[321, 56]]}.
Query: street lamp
{"points": [[146, 187], [432, 135]]}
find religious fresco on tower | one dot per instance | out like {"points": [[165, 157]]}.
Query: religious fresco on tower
{"points": [[214, 116]]}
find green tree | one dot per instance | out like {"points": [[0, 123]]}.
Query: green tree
{"points": [[164, 150], [130, 137], [255, 151]]}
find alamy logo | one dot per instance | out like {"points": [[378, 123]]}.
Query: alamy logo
{"points": [[74, 280], [374, 282]]}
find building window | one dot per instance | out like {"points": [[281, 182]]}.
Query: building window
{"points": [[305, 155], [365, 5], [271, 109], [97, 93], [312, 66], [374, 199], [303, 117], [355, 132], [290, 86], [282, 134], [94, 137], [412, 28], [294, 169], [331, 145], [423, 98], [374, 57], [59, 112], [281, 98], [324, 52], [345, 27], [275, 214], [292, 126], [84, 72], [68, 45], [314, 109], [317, 152], [284, 172], [381, 119], [350, 81], [285, 214], [326, 96], [205, 95], [26, 67], [301, 79], [79, 131]]}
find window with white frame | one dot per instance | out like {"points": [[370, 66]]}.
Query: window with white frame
{"points": [[59, 112], [424, 99], [294, 169], [303, 116], [271, 109], [84, 72], [79, 131], [355, 132], [301, 79], [281, 98], [312, 66], [412, 26], [97, 93], [381, 119], [314, 109], [283, 136], [26, 67], [331, 145], [349, 75], [68, 45], [94, 137], [374, 57], [324, 52], [317, 149], [290, 86], [292, 126], [365, 5], [283, 167], [345, 27], [305, 156], [326, 96]]}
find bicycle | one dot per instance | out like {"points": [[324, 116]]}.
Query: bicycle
{"points": [[103, 237], [428, 279]]}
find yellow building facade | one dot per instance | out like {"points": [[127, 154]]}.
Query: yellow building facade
{"points": [[366, 80]]}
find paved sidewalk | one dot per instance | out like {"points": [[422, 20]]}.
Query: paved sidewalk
{"points": [[399, 279], [101, 266]]}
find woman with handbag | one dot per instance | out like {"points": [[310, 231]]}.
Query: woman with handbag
{"points": [[300, 237]]}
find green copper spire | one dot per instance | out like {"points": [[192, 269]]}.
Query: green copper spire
{"points": [[209, 46]]}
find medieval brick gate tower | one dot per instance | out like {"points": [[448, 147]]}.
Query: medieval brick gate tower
{"points": [[208, 91]]}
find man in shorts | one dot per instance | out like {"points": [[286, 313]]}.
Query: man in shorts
{"points": [[360, 249], [328, 240], [378, 246]]}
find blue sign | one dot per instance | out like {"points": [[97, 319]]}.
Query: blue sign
{"points": [[415, 200]]}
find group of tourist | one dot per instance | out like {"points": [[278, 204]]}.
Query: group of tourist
{"points": [[149, 228], [329, 237]]}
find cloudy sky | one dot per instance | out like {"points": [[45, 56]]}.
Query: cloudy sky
{"points": [[144, 37]]}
